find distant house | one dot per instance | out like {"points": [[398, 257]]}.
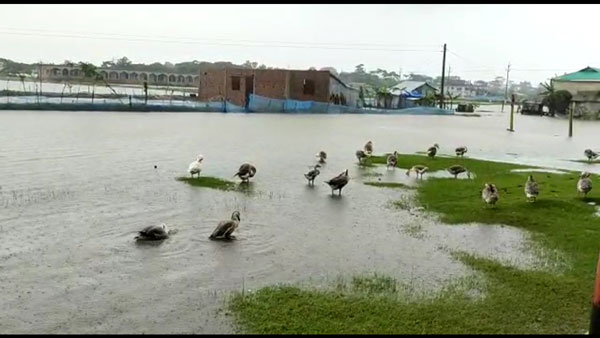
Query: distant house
{"points": [[584, 86], [461, 88], [414, 88]]}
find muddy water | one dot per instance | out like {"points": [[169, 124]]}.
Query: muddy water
{"points": [[76, 186]]}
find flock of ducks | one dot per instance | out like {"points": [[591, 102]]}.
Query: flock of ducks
{"points": [[489, 193]]}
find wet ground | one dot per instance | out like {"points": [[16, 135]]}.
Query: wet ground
{"points": [[75, 187]]}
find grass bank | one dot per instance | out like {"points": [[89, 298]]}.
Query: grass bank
{"points": [[512, 300]]}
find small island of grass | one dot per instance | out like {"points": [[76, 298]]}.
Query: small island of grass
{"points": [[209, 182]]}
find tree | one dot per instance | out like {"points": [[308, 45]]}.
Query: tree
{"points": [[360, 69], [90, 71], [123, 62], [107, 64], [557, 101]]}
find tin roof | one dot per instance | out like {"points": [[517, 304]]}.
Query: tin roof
{"points": [[586, 74]]}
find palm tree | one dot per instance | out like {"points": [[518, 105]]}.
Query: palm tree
{"points": [[90, 71]]}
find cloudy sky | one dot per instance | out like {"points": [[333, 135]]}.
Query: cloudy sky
{"points": [[538, 40]]}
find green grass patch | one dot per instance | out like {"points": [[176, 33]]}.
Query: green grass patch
{"points": [[513, 300], [209, 182]]}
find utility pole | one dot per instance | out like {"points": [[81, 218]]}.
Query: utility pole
{"points": [[506, 89], [443, 75]]}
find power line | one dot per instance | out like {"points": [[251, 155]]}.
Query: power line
{"points": [[210, 42]]}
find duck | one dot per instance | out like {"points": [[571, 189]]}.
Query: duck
{"points": [[489, 194], [458, 169], [153, 233], [361, 155], [225, 228], [338, 182], [531, 189], [590, 154], [311, 175], [369, 148], [461, 151], [419, 169], [392, 160], [195, 167], [584, 185], [322, 156], [245, 172], [433, 150]]}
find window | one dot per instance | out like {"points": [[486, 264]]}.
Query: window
{"points": [[235, 83], [309, 87]]}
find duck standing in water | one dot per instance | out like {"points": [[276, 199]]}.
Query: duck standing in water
{"points": [[458, 169], [419, 169], [360, 155], [590, 154], [461, 151], [153, 233], [225, 228], [338, 182], [392, 160], [584, 185], [311, 175], [489, 194], [195, 167], [369, 148], [322, 156], [433, 150], [246, 171], [531, 189]]}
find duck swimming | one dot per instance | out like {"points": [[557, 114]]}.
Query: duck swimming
{"points": [[419, 169], [311, 175], [245, 172], [322, 156], [153, 233], [225, 228], [338, 182], [531, 189]]}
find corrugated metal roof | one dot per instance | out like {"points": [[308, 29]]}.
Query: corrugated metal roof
{"points": [[410, 86], [586, 74]]}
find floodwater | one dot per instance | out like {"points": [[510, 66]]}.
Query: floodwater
{"points": [[75, 187]]}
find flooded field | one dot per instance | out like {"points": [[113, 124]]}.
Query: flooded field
{"points": [[75, 187]]}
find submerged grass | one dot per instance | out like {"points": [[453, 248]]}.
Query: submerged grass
{"points": [[514, 300], [389, 185], [209, 182]]}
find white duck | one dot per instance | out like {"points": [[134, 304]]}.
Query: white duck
{"points": [[195, 167]]}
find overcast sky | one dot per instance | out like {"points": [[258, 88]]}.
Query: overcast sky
{"points": [[538, 40]]}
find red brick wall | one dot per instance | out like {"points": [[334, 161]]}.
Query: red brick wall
{"points": [[321, 81], [269, 83]]}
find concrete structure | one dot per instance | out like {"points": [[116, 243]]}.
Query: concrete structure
{"points": [[584, 86], [422, 88], [235, 85], [61, 73], [461, 88]]}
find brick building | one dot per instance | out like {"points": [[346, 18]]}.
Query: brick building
{"points": [[236, 84]]}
